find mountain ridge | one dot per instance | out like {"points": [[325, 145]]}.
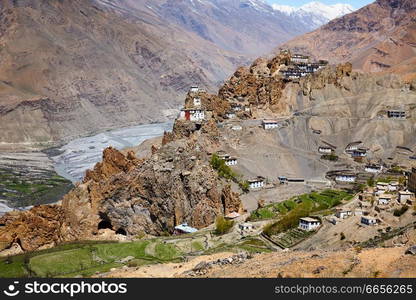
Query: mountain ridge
{"points": [[380, 37]]}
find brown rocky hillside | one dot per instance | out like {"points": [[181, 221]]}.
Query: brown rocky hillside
{"points": [[380, 37]]}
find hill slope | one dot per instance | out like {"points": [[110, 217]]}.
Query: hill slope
{"points": [[380, 37], [70, 68]]}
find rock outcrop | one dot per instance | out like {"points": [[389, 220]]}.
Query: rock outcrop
{"points": [[131, 196]]}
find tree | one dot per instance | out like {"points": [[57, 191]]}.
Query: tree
{"points": [[223, 225]]}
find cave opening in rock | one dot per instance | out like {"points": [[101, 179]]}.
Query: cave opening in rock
{"points": [[121, 231], [105, 222], [105, 225]]}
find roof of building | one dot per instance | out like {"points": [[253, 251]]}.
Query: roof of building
{"points": [[405, 193], [246, 224], [382, 183], [232, 215], [354, 144], [368, 218], [385, 196], [185, 228], [192, 108], [270, 121], [373, 166], [308, 219]]}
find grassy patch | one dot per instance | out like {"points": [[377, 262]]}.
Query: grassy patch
{"points": [[84, 259], [290, 211], [226, 172]]}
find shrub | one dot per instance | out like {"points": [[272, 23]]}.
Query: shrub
{"points": [[370, 182], [222, 225], [223, 170], [401, 211], [331, 157], [342, 236]]}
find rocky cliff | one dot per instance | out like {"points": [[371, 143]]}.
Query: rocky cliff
{"points": [[129, 196]]}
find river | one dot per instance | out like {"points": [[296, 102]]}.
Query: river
{"points": [[81, 154]]}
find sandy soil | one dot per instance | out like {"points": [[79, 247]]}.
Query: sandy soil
{"points": [[379, 262], [168, 270]]}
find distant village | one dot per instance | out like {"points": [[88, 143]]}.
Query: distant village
{"points": [[385, 195]]}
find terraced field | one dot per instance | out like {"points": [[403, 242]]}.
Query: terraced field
{"points": [[87, 258], [291, 237]]}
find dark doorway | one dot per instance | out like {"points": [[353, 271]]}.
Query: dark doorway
{"points": [[121, 231]]}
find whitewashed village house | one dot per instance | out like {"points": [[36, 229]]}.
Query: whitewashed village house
{"points": [[229, 160], [184, 229], [192, 114], [256, 183], [393, 186], [325, 150], [367, 220], [197, 102], [396, 114], [308, 223], [384, 199], [373, 168], [343, 214], [299, 59], [352, 146], [270, 124], [194, 89], [346, 177], [405, 196]]}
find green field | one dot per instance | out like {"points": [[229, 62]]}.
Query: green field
{"points": [[86, 258], [22, 188], [315, 201], [288, 212]]}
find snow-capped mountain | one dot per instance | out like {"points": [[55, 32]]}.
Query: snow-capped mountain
{"points": [[315, 14]]}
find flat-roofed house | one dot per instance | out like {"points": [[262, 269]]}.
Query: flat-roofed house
{"points": [[396, 114], [237, 127], [367, 220], [345, 177], [192, 114], [229, 160], [194, 89], [405, 196], [256, 183], [325, 149], [309, 224], [270, 124], [299, 58], [352, 146], [343, 213], [246, 226], [184, 229], [384, 199], [230, 115], [382, 186], [197, 102], [233, 215], [373, 168], [393, 186], [360, 152]]}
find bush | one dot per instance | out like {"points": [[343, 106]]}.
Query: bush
{"points": [[223, 170], [370, 182], [222, 225], [401, 211], [331, 157], [342, 236], [226, 172]]}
